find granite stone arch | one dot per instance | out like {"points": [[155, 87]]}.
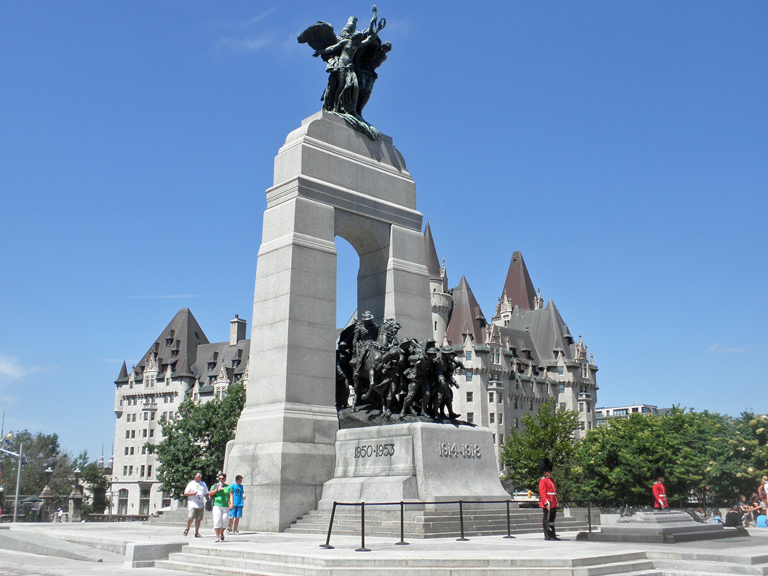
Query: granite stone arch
{"points": [[329, 181]]}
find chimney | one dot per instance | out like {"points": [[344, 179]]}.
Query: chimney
{"points": [[236, 330]]}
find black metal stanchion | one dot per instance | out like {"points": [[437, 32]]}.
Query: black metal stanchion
{"points": [[461, 522], [402, 528], [589, 514], [327, 544], [509, 526], [362, 529]]}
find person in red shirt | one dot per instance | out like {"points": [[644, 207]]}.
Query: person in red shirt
{"points": [[548, 499], [659, 490]]}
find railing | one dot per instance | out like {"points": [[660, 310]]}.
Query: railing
{"points": [[623, 507], [402, 505]]}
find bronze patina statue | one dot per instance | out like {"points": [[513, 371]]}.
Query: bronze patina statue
{"points": [[401, 379], [351, 58]]}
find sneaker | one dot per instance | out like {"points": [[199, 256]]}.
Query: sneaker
{"points": [[236, 532], [229, 530]]}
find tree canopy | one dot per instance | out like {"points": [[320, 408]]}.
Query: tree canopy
{"points": [[42, 451], [547, 434], [705, 455], [196, 439]]}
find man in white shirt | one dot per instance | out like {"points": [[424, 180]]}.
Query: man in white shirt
{"points": [[196, 491]]}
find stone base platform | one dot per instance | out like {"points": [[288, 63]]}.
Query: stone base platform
{"points": [[417, 462], [669, 527]]}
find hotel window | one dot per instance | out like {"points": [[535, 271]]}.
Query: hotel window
{"points": [[498, 398], [501, 439], [469, 375], [490, 397], [560, 370], [561, 388], [501, 418], [469, 397], [470, 417], [492, 417], [517, 423], [122, 502]]}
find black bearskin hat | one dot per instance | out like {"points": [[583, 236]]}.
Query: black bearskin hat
{"points": [[545, 465], [658, 472]]}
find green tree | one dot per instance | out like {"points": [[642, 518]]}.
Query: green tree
{"points": [[548, 434], [41, 451], [704, 454], [94, 481], [196, 439]]}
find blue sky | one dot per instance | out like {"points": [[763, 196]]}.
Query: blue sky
{"points": [[621, 146]]}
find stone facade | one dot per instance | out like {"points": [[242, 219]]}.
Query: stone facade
{"points": [[181, 362], [524, 357]]}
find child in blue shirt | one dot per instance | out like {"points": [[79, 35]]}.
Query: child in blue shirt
{"points": [[236, 501]]}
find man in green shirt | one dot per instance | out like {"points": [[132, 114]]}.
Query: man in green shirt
{"points": [[220, 494]]}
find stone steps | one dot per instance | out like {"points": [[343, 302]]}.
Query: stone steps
{"points": [[230, 562]]}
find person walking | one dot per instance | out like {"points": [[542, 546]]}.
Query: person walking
{"points": [[548, 499], [659, 489], [236, 502], [196, 492], [220, 494]]}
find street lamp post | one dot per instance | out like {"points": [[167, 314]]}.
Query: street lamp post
{"points": [[18, 481]]}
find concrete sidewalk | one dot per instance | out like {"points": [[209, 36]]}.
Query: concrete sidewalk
{"points": [[443, 555]]}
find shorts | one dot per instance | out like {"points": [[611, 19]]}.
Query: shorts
{"points": [[236, 512], [195, 513], [220, 516]]}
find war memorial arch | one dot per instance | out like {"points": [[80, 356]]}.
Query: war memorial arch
{"points": [[336, 175]]}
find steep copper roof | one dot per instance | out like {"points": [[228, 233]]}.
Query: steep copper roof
{"points": [[433, 263], [466, 317], [178, 341], [548, 330], [123, 377], [518, 285]]}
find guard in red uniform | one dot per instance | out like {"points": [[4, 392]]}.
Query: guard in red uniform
{"points": [[659, 490], [547, 499]]}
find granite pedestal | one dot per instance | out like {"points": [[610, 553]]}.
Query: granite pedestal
{"points": [[329, 181]]}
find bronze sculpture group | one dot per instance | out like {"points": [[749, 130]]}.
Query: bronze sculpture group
{"points": [[351, 61], [409, 377]]}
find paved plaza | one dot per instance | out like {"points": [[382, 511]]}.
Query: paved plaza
{"points": [[100, 546]]}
